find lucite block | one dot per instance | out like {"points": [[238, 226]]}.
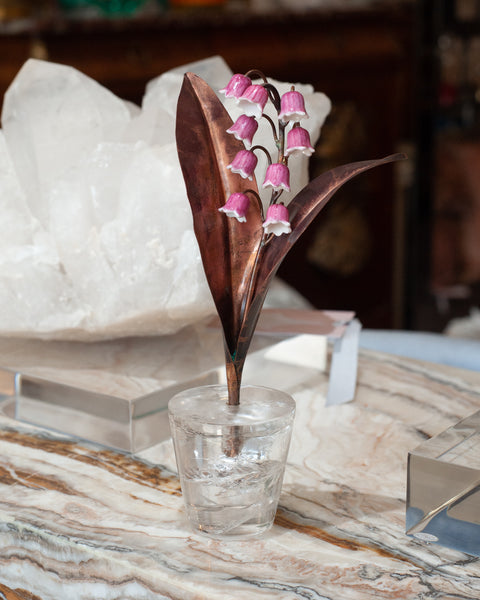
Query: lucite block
{"points": [[443, 488], [116, 392]]}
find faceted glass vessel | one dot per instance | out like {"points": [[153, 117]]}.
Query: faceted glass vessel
{"points": [[443, 488], [231, 459]]}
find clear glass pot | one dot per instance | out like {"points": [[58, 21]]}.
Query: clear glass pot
{"points": [[231, 459]]}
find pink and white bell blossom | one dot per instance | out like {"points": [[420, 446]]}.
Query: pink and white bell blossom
{"points": [[277, 221], [253, 100], [277, 177], [236, 86], [236, 206], [292, 107], [244, 128], [244, 164], [298, 142]]}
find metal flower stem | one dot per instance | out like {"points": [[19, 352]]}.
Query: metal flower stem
{"points": [[234, 368]]}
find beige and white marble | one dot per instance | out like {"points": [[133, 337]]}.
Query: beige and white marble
{"points": [[80, 521]]}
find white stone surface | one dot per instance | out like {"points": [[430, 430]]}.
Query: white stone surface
{"points": [[97, 238], [81, 521]]}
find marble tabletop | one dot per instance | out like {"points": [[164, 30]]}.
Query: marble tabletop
{"points": [[79, 521]]}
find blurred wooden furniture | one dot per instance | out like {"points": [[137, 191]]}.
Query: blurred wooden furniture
{"points": [[362, 59], [444, 261]]}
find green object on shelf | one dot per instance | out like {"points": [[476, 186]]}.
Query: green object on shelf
{"points": [[108, 7], [118, 7], [69, 4]]}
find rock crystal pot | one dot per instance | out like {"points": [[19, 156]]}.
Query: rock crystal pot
{"points": [[231, 459]]}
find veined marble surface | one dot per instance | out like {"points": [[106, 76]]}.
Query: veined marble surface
{"points": [[81, 522]]}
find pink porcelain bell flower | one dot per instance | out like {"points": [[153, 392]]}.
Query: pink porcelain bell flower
{"points": [[277, 221], [292, 107], [277, 177], [236, 206], [244, 164], [244, 128], [253, 100], [298, 142], [236, 86]]}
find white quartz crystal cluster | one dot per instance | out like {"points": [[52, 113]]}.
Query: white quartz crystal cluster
{"points": [[96, 230]]}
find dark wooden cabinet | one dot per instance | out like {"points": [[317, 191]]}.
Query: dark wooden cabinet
{"points": [[444, 221], [362, 59]]}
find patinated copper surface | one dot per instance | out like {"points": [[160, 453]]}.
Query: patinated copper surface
{"points": [[239, 261]]}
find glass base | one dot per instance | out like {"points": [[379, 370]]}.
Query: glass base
{"points": [[231, 459], [114, 393], [218, 526]]}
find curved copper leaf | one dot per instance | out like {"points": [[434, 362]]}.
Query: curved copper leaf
{"points": [[227, 247], [306, 205], [303, 209]]}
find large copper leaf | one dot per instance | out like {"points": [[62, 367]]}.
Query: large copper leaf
{"points": [[302, 211], [306, 206], [227, 247]]}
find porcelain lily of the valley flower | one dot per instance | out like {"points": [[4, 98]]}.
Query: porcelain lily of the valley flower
{"points": [[298, 141], [290, 110], [236, 206], [236, 86], [277, 220], [292, 107], [253, 100], [244, 128], [244, 164], [242, 254], [277, 177]]}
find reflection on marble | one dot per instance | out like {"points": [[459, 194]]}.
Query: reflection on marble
{"points": [[78, 521]]}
